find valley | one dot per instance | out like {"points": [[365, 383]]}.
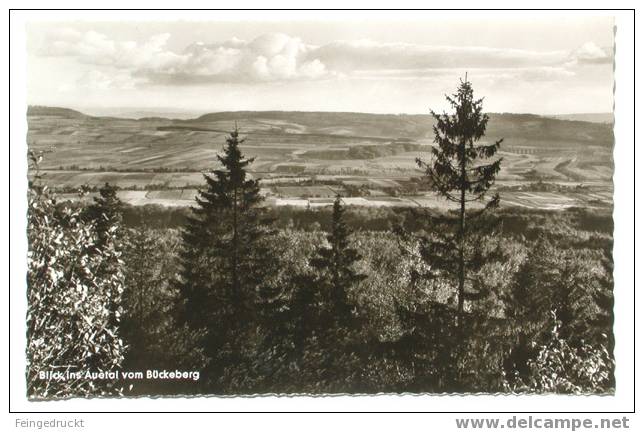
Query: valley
{"points": [[306, 158]]}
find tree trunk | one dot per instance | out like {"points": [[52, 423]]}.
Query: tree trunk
{"points": [[454, 379], [461, 243], [235, 278]]}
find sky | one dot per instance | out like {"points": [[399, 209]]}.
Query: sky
{"points": [[521, 64]]}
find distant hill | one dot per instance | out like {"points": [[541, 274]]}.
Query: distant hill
{"points": [[520, 128], [133, 152], [37, 110], [517, 129], [144, 114], [589, 117]]}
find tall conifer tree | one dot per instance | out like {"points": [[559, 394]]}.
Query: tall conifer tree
{"points": [[335, 324], [224, 263], [461, 172], [336, 265]]}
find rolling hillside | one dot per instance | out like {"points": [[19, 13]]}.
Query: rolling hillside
{"points": [[365, 153], [519, 127]]}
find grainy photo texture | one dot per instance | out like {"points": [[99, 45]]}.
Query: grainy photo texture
{"points": [[320, 207]]}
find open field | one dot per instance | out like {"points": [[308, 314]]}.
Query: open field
{"points": [[307, 158], [590, 197]]}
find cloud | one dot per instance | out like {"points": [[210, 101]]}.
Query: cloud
{"points": [[590, 53], [370, 55], [277, 57], [97, 49], [270, 57]]}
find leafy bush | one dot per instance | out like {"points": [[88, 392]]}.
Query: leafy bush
{"points": [[561, 367], [74, 292]]}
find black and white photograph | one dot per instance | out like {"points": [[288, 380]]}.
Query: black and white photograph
{"points": [[301, 206]]}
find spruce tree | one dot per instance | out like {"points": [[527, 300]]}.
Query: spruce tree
{"points": [[105, 211], [335, 324], [568, 282], [336, 265], [461, 172], [224, 264]]}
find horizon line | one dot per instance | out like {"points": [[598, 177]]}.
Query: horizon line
{"points": [[200, 113]]}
